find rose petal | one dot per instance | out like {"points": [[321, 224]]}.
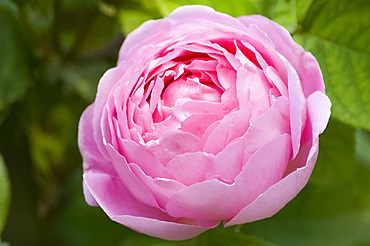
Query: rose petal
{"points": [[122, 207], [161, 188], [171, 144], [297, 109], [92, 157], [303, 62], [278, 195], [190, 168], [111, 78], [196, 124], [132, 183], [266, 128], [232, 126], [214, 199], [318, 107]]}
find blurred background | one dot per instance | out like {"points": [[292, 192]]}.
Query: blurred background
{"points": [[52, 55]]}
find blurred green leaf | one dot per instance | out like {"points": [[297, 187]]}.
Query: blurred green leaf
{"points": [[336, 32], [4, 194], [14, 69], [301, 9], [84, 78], [133, 13], [334, 208], [3, 243], [363, 147], [40, 14]]}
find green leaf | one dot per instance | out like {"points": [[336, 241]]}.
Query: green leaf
{"points": [[301, 9], [14, 69], [362, 147], [336, 32], [4, 194], [334, 208], [133, 13], [3, 243]]}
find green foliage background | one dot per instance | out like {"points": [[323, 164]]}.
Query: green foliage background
{"points": [[53, 53]]}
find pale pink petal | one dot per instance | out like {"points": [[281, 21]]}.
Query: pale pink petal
{"points": [[303, 62], [232, 126], [297, 109], [214, 199], [275, 79], [229, 101], [88, 196], [211, 199], [121, 206], [266, 128], [156, 93], [171, 144], [132, 183], [161, 188], [264, 168], [92, 157], [252, 86], [196, 124], [318, 106], [190, 107], [190, 168], [278, 195], [109, 80], [226, 76], [204, 13], [142, 156], [229, 162]]}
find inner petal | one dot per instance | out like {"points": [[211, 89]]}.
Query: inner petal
{"points": [[185, 89]]}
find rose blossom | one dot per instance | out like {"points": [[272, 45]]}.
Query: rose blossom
{"points": [[206, 118]]}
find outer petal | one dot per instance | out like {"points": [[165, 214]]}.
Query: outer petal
{"points": [[303, 62], [106, 84], [122, 207], [214, 199], [92, 157], [181, 21], [278, 195]]}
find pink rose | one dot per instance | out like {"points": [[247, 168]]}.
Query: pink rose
{"points": [[206, 118]]}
